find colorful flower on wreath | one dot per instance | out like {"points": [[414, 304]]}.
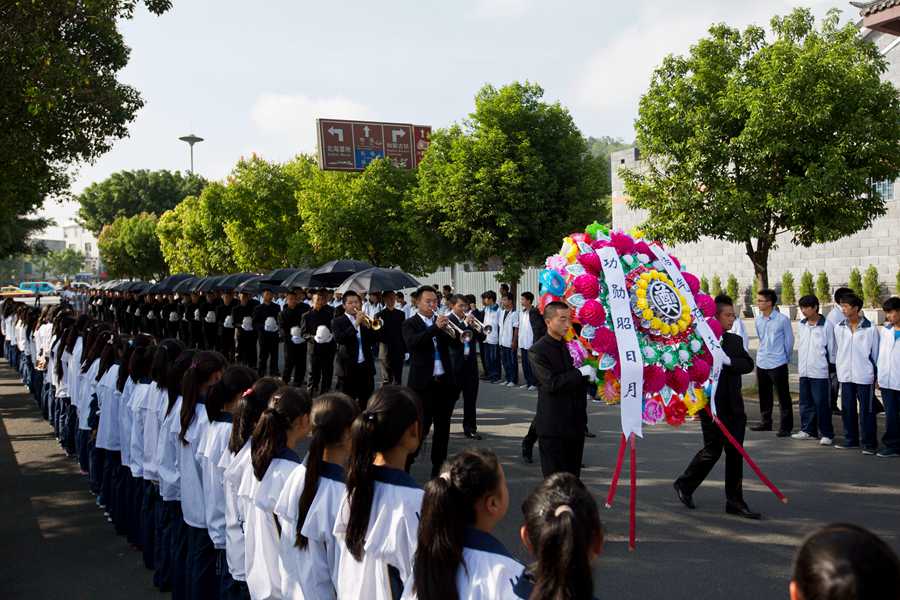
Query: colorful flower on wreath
{"points": [[676, 410]]}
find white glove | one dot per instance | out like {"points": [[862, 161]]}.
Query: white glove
{"points": [[589, 372]]}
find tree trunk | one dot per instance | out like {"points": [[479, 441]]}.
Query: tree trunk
{"points": [[759, 256]]}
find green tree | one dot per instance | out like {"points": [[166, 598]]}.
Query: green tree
{"points": [[732, 289], [66, 262], [715, 288], [751, 135], [855, 282], [60, 102], [704, 284], [510, 181], [788, 293], [127, 193], [823, 288], [129, 247], [806, 284], [192, 235], [872, 288], [365, 216]]}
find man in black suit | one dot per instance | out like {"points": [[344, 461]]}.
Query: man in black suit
{"points": [[290, 320], [561, 415], [538, 330], [355, 365], [316, 321], [391, 348], [430, 374], [730, 410], [464, 363]]}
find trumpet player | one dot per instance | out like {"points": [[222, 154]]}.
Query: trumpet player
{"points": [[391, 348], [355, 338], [463, 359]]}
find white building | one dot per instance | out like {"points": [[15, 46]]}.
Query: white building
{"points": [[77, 237]]}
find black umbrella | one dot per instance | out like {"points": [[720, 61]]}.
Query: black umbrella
{"points": [[208, 284], [278, 276], [185, 286], [377, 279], [139, 287], [257, 285], [167, 284], [229, 282], [333, 273], [303, 278]]}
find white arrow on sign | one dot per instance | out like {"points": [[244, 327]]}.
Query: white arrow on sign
{"points": [[338, 132], [397, 133], [366, 131]]}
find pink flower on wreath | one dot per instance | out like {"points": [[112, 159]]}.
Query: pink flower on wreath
{"points": [[678, 380], [654, 378], [557, 263], [715, 326], [604, 341], [692, 282], [577, 352], [654, 412], [592, 313], [706, 304], [590, 261], [587, 285], [699, 370], [622, 242]]}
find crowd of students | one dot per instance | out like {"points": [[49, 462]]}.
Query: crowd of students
{"points": [[193, 460]]}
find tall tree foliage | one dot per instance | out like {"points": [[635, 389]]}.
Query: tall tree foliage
{"points": [[127, 193], [129, 247], [750, 136], [60, 102], [510, 181]]}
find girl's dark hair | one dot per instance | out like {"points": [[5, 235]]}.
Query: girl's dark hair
{"points": [[139, 363], [110, 354], [270, 434], [391, 411], [562, 524], [846, 562], [75, 332], [251, 405], [94, 342], [175, 376], [447, 509], [141, 341], [235, 380], [166, 353], [204, 366], [332, 415], [65, 324]]}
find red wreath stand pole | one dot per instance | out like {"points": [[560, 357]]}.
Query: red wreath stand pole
{"points": [[632, 500], [740, 448]]}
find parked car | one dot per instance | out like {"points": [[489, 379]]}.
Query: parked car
{"points": [[44, 288], [11, 291]]}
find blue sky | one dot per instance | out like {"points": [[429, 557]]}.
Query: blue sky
{"points": [[252, 76]]}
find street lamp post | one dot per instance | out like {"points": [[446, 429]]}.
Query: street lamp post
{"points": [[191, 140]]}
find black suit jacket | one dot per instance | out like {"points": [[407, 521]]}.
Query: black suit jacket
{"points": [[391, 332], [729, 402], [561, 407], [418, 338], [348, 346], [459, 362]]}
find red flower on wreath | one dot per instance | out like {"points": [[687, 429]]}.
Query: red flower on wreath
{"points": [[676, 411]]}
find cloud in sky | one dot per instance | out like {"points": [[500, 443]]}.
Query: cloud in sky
{"points": [[490, 9]]}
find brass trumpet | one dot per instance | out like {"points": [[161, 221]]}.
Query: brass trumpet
{"points": [[372, 323], [479, 326], [456, 332]]}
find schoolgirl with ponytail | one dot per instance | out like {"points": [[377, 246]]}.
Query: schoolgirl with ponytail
{"points": [[280, 428], [563, 532], [173, 530], [96, 339], [378, 521], [457, 555], [72, 363], [139, 370], [55, 367], [221, 402], [309, 502], [237, 466], [108, 443], [204, 372]]}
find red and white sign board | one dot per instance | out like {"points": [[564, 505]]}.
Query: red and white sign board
{"points": [[352, 145]]}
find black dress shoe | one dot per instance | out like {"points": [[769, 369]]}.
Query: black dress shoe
{"points": [[685, 498], [761, 427], [526, 453], [588, 434], [742, 510], [783, 434], [472, 435]]}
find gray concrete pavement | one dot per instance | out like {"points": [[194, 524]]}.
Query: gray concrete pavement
{"points": [[56, 543]]}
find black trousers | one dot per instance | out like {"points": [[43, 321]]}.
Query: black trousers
{"points": [[227, 343], [211, 333], [531, 437], [561, 454], [776, 378], [268, 353], [246, 348], [713, 444], [321, 367], [294, 363], [469, 384], [358, 383], [391, 362], [438, 400]]}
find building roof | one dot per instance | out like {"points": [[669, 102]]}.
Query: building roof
{"points": [[874, 6]]}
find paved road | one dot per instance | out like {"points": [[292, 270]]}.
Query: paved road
{"points": [[56, 543]]}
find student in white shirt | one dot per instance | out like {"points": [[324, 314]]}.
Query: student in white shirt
{"points": [[560, 513], [221, 402], [237, 466], [509, 340], [857, 354], [377, 525], [204, 372], [107, 448], [815, 351], [280, 428], [457, 556], [527, 337], [889, 378], [836, 317], [140, 367], [310, 500]]}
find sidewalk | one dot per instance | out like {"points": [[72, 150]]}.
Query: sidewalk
{"points": [[56, 542]]}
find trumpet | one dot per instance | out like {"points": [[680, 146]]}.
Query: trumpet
{"points": [[372, 323], [479, 326], [456, 332]]}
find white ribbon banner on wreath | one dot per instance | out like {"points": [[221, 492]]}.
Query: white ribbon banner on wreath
{"points": [[631, 361], [703, 328]]}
